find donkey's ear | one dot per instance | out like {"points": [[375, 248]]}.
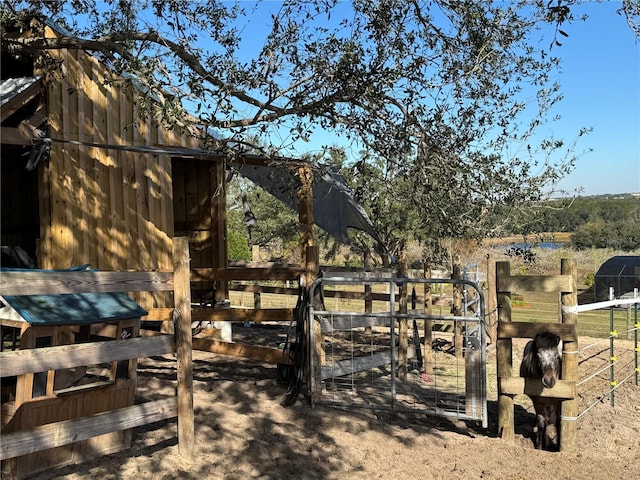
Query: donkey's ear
{"points": [[556, 339]]}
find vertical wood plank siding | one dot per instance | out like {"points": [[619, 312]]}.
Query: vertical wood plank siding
{"points": [[85, 117], [110, 208]]}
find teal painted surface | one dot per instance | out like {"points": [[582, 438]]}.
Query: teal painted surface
{"points": [[74, 308]]}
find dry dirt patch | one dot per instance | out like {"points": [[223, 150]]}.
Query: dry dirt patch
{"points": [[244, 432]]}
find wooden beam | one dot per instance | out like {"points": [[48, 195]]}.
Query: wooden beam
{"points": [[530, 330], [256, 264], [9, 322], [20, 362], [226, 274], [254, 352], [328, 293], [528, 283], [305, 223], [53, 282], [225, 315], [16, 136], [68, 431], [264, 289], [533, 387], [38, 119], [257, 160], [243, 315], [184, 346], [25, 132], [266, 161]]}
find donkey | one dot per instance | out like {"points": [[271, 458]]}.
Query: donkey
{"points": [[542, 360]]}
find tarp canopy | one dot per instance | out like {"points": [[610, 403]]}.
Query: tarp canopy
{"points": [[334, 208]]}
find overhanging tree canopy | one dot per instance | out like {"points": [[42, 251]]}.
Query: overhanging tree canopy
{"points": [[448, 94]]}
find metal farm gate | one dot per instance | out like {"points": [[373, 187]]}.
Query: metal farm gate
{"points": [[369, 336]]}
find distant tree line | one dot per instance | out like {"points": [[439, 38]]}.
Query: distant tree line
{"points": [[604, 221]]}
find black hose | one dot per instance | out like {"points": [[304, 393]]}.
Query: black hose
{"points": [[296, 349]]}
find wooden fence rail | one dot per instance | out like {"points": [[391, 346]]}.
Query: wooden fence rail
{"points": [[70, 431], [58, 357], [21, 362], [54, 282]]}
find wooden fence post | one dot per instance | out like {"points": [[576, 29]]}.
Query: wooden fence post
{"points": [[504, 359], [368, 287], [317, 349], [310, 262], [569, 410], [257, 290], [182, 319], [305, 213]]}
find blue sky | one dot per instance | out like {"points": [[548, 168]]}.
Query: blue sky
{"points": [[600, 80]]}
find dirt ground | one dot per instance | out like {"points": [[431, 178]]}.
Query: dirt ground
{"points": [[244, 432]]}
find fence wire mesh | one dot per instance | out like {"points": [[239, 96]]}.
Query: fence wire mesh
{"points": [[373, 352]]}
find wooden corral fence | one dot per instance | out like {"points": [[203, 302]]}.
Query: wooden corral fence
{"points": [[23, 362], [510, 385], [259, 279], [209, 340]]}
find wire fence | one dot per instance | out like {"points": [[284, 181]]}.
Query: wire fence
{"points": [[593, 323], [612, 359], [609, 356]]}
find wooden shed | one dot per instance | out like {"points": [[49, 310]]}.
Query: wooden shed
{"points": [[30, 400], [106, 184]]}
